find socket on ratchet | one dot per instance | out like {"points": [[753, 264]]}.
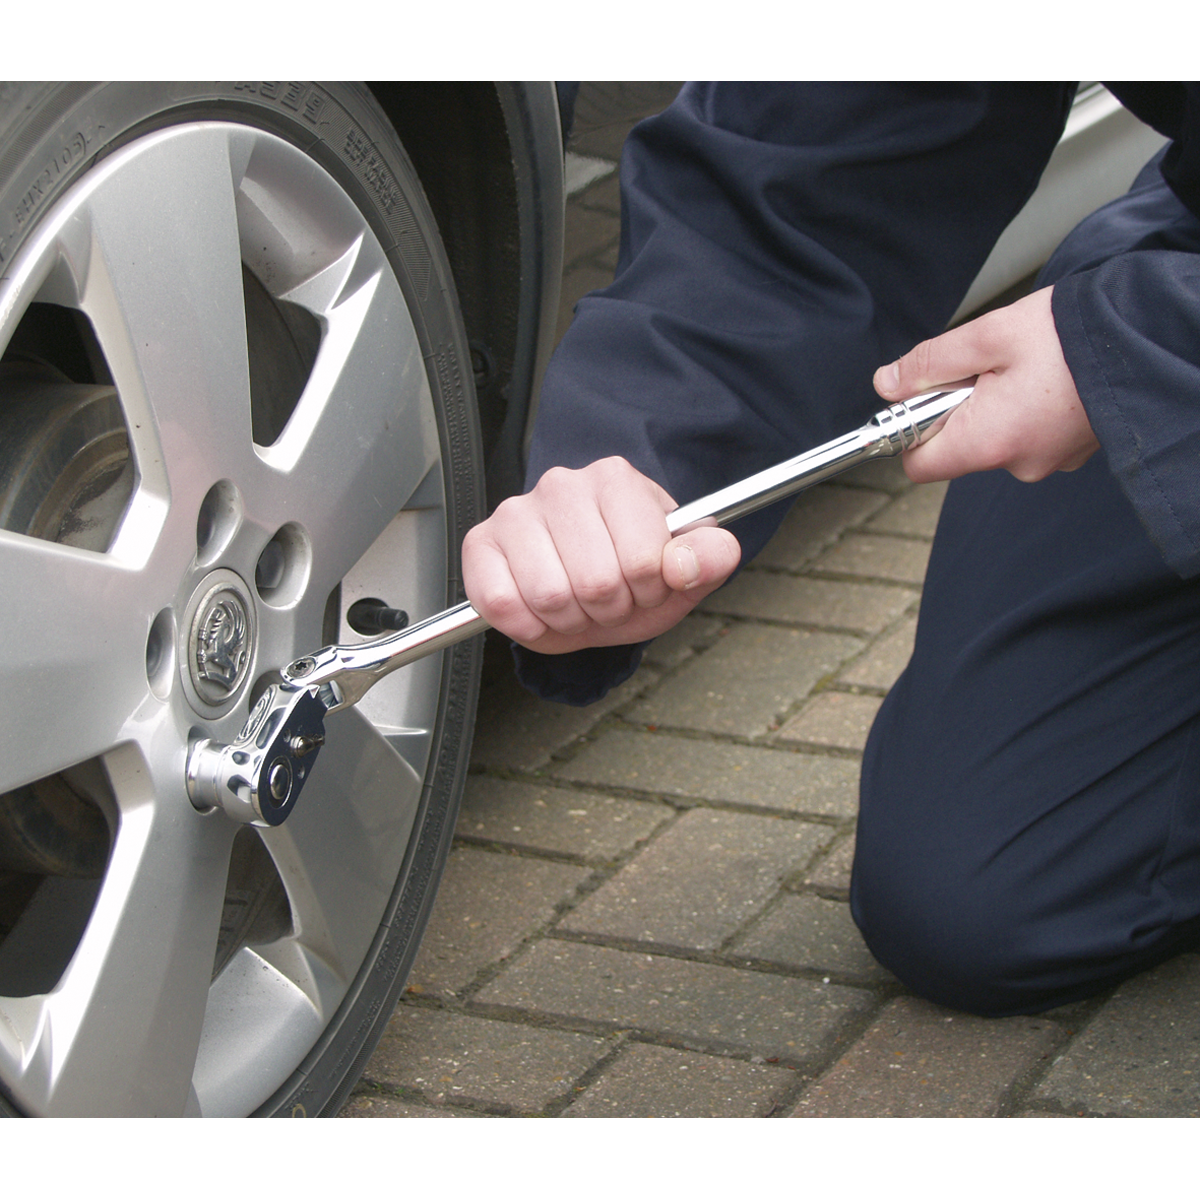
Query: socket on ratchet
{"points": [[258, 777]]}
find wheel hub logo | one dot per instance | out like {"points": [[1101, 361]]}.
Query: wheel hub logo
{"points": [[221, 651]]}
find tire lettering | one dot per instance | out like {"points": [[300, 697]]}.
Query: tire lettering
{"points": [[360, 151], [43, 184], [299, 97]]}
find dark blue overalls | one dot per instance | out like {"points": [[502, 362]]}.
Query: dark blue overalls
{"points": [[1029, 828]]}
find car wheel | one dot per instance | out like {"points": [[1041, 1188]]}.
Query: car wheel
{"points": [[235, 403]]}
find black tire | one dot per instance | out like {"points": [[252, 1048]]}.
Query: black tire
{"points": [[52, 137]]}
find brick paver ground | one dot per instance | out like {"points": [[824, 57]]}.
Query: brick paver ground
{"points": [[645, 913]]}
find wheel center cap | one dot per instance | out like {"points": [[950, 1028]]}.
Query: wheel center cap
{"points": [[220, 640]]}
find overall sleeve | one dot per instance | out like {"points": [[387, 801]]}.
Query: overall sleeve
{"points": [[1127, 310], [1130, 332], [779, 242]]}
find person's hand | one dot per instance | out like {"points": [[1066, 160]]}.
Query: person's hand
{"points": [[1024, 414], [585, 559]]}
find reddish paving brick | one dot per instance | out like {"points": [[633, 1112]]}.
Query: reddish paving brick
{"points": [[885, 474], [680, 643], [654, 1081], [836, 719], [832, 872], [817, 519], [1140, 1054], [881, 665], [389, 1106], [486, 906], [517, 731], [813, 933], [447, 1056], [699, 880], [875, 556], [918, 1060], [765, 595], [745, 681], [584, 825], [915, 513], [661, 765], [704, 1006]]}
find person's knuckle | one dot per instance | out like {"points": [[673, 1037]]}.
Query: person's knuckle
{"points": [[550, 598], [557, 482], [642, 565], [510, 513], [599, 590]]}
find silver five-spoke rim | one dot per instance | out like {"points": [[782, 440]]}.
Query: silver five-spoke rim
{"points": [[346, 501]]}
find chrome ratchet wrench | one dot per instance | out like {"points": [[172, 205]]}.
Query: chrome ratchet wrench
{"points": [[258, 777]]}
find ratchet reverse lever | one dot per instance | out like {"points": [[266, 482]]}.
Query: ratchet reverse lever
{"points": [[257, 778]]}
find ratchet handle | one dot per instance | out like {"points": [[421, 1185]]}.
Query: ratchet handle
{"points": [[258, 777], [887, 433], [353, 670]]}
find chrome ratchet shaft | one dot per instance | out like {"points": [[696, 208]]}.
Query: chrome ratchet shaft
{"points": [[258, 777], [352, 670]]}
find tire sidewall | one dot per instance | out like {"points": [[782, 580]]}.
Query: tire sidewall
{"points": [[50, 137]]}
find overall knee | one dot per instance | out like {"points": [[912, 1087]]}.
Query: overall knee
{"points": [[951, 943]]}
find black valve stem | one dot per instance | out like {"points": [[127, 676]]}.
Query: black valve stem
{"points": [[371, 617]]}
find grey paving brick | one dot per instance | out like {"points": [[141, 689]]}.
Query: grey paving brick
{"points": [[740, 685], [450, 1056], [699, 880], [916, 512], [389, 1106], [486, 906], [608, 258], [816, 519], [810, 932], [917, 1060], [517, 731], [700, 1005], [680, 643], [576, 284], [832, 871], [605, 112], [835, 719], [886, 474], [587, 233], [876, 556], [585, 825], [662, 765], [605, 195], [1140, 1055], [880, 667], [765, 595], [654, 1081]]}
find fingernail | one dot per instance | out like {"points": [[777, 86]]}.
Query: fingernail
{"points": [[689, 565], [890, 377]]}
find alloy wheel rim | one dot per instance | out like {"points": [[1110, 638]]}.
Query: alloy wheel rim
{"points": [[346, 502]]}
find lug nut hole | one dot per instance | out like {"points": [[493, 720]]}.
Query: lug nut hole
{"points": [[160, 654], [283, 568], [217, 521]]}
